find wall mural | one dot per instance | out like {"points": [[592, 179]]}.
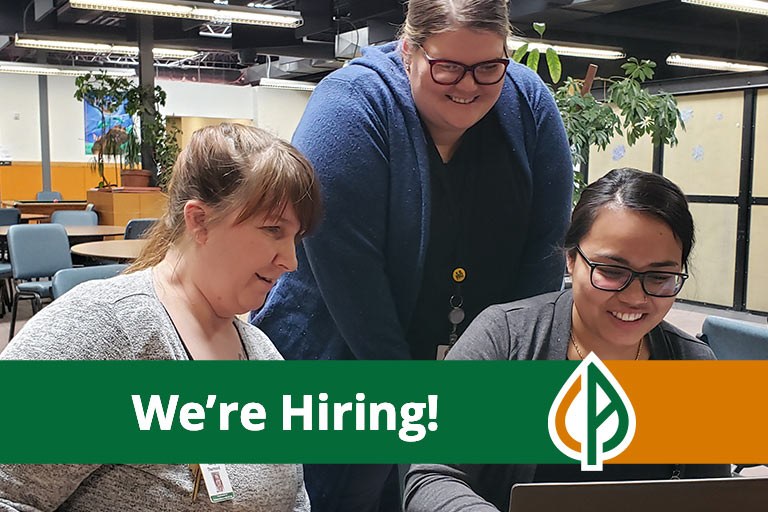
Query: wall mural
{"points": [[117, 122]]}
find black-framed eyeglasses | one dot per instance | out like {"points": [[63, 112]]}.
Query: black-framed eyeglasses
{"points": [[615, 278], [448, 72]]}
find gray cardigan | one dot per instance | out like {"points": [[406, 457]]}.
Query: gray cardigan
{"points": [[122, 318], [535, 328]]}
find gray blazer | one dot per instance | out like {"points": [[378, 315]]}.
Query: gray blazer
{"points": [[532, 329]]}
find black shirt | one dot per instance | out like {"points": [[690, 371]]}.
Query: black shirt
{"points": [[479, 219]]}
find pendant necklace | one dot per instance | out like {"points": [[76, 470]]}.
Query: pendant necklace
{"points": [[578, 350]]}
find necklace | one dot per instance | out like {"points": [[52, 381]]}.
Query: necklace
{"points": [[578, 350]]}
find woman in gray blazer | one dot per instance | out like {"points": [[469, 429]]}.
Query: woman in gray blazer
{"points": [[627, 251]]}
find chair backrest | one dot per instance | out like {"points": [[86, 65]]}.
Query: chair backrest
{"points": [[66, 279], [9, 216], [48, 195], [38, 250], [137, 227], [74, 218], [733, 339]]}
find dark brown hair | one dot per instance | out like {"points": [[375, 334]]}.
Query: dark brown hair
{"points": [[233, 167], [638, 191]]}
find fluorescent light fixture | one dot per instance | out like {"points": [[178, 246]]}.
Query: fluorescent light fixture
{"points": [[197, 11], [569, 49], [692, 61], [275, 83], [29, 68], [748, 6], [94, 47]]}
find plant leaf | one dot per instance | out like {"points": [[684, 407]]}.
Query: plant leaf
{"points": [[540, 28], [533, 60], [520, 53], [553, 63]]}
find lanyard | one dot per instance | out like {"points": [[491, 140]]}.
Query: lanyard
{"points": [[460, 205]]}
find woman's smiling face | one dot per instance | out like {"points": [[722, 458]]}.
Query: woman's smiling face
{"points": [[640, 241], [457, 107]]}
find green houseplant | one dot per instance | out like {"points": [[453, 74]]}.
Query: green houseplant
{"points": [[144, 104], [626, 108], [106, 94]]}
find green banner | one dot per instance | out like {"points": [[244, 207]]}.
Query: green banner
{"points": [[279, 411]]}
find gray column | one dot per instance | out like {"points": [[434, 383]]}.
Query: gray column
{"points": [[45, 138], [147, 83]]}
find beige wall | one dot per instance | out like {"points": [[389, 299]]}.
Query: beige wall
{"points": [[713, 259], [757, 283], [620, 154], [708, 158], [279, 110], [760, 176]]}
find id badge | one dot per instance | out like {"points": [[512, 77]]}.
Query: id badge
{"points": [[442, 351], [217, 482]]}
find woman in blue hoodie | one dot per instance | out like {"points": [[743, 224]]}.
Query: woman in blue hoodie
{"points": [[446, 181]]}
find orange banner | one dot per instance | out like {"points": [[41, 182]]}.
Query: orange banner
{"points": [[696, 411]]}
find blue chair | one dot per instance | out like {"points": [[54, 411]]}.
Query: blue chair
{"points": [[136, 228], [9, 216], [48, 195], [67, 278], [74, 218], [6, 295], [37, 251], [733, 339]]}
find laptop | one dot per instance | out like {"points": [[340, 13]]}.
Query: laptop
{"points": [[740, 494]]}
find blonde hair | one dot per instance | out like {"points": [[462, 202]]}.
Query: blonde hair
{"points": [[426, 18], [233, 167]]}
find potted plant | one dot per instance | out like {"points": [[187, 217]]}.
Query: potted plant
{"points": [[107, 95], [132, 175], [144, 105], [592, 122]]}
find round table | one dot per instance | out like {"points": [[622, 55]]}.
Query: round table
{"points": [[83, 230], [111, 249]]}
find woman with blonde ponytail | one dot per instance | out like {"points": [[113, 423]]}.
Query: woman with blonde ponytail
{"points": [[238, 202]]}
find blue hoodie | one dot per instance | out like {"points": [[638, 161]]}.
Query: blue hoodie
{"points": [[360, 273]]}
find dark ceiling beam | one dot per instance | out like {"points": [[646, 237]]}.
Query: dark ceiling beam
{"points": [[361, 11], [570, 11], [592, 31], [16, 16], [525, 8], [312, 50], [248, 36], [710, 81], [317, 14], [10, 16]]}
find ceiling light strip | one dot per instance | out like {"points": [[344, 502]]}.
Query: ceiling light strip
{"points": [[691, 61], [94, 47], [747, 6], [565, 50], [294, 85], [47, 69], [197, 11]]}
